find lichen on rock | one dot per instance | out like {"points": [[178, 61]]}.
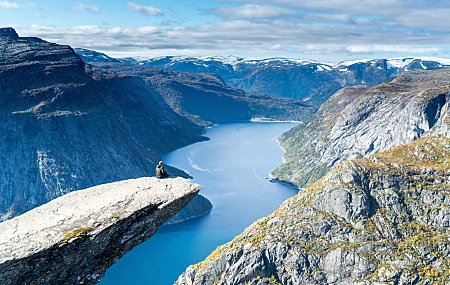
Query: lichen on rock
{"points": [[73, 239], [358, 121], [383, 219]]}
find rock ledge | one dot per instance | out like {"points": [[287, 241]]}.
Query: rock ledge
{"points": [[75, 238]]}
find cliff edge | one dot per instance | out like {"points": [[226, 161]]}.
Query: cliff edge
{"points": [[358, 121], [68, 126], [383, 219], [75, 238]]}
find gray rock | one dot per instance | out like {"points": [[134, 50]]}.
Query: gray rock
{"points": [[75, 238], [206, 99], [358, 121], [198, 207], [365, 222], [68, 126], [306, 80]]}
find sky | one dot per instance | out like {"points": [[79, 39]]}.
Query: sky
{"points": [[323, 30]]}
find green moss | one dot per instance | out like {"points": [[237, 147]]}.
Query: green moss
{"points": [[76, 233]]}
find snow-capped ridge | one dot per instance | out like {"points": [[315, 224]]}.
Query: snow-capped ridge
{"points": [[395, 62]]}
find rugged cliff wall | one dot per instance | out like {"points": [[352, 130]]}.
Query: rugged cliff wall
{"points": [[383, 219], [358, 121], [75, 238], [68, 126], [206, 99]]}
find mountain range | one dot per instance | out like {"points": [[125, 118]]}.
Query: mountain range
{"points": [[311, 81], [206, 99], [358, 121], [374, 158], [69, 125], [375, 210]]}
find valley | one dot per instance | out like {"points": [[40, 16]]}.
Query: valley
{"points": [[308, 80], [70, 125], [369, 153], [233, 167]]}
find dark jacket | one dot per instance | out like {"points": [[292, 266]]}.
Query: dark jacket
{"points": [[161, 172]]}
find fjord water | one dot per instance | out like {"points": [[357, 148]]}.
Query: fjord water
{"points": [[233, 166]]}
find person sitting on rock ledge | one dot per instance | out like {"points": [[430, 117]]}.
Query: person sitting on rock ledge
{"points": [[160, 171]]}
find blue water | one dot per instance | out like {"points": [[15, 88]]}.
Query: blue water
{"points": [[233, 167]]}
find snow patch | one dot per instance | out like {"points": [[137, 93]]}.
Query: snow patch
{"points": [[323, 67], [352, 62]]}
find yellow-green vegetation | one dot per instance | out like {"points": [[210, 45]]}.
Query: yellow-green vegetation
{"points": [[424, 153], [434, 91], [76, 233], [265, 280], [408, 187], [216, 254]]}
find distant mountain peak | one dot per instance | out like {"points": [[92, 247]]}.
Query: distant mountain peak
{"points": [[93, 56], [398, 62], [8, 32]]}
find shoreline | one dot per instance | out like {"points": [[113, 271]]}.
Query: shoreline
{"points": [[269, 120], [284, 151]]}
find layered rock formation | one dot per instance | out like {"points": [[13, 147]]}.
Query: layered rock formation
{"points": [[383, 219], [75, 238], [206, 99], [68, 126], [358, 121]]}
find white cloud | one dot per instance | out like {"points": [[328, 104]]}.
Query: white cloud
{"points": [[9, 5], [382, 7], [422, 14], [314, 28], [276, 47], [324, 17], [92, 8], [367, 49], [145, 10], [251, 12], [391, 48], [238, 37]]}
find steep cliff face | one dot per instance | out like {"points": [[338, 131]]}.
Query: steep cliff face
{"points": [[198, 207], [303, 80], [372, 72], [28, 63], [75, 238], [67, 126], [206, 99], [383, 219], [358, 121]]}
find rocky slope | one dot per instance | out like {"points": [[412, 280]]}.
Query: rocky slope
{"points": [[68, 126], [383, 219], [75, 238], [358, 121], [198, 207], [206, 99], [289, 78], [93, 56]]}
